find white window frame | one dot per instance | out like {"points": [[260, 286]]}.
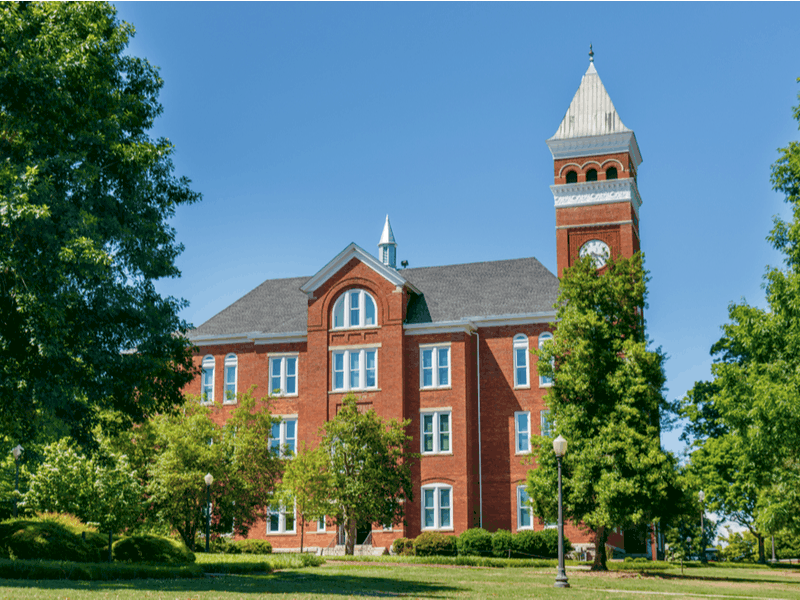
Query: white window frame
{"points": [[209, 363], [283, 439], [521, 507], [324, 527], [543, 338], [347, 370], [435, 413], [229, 397], [435, 349], [517, 431], [437, 508], [280, 510], [284, 358], [544, 416], [521, 343], [345, 301]]}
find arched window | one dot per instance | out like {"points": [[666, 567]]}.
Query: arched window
{"points": [[521, 360], [231, 364], [354, 308], [207, 382], [572, 177], [591, 175], [611, 173], [544, 339]]}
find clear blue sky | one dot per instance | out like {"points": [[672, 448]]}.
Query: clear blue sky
{"points": [[304, 124]]}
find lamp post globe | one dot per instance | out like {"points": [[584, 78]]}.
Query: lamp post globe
{"points": [[560, 449], [208, 479], [17, 452]]}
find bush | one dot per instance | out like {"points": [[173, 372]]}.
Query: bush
{"points": [[475, 542], [403, 547], [252, 546], [537, 544], [435, 544], [501, 543], [152, 549], [51, 536]]}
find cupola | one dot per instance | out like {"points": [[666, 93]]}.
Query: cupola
{"points": [[387, 247]]}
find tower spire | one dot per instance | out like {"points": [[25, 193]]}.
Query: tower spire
{"points": [[387, 247], [591, 53]]}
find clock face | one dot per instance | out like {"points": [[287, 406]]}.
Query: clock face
{"points": [[598, 250]]}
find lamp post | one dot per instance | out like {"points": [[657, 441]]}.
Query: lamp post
{"points": [[560, 449], [703, 559], [209, 479], [17, 452]]}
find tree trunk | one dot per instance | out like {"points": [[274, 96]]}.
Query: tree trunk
{"points": [[600, 537], [762, 555], [350, 537], [302, 533]]}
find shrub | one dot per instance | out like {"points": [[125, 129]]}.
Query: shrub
{"points": [[475, 542], [403, 547], [501, 543], [253, 546], [435, 544], [50, 536], [537, 544], [151, 549]]}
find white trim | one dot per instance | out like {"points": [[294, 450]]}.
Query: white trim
{"points": [[436, 507], [520, 342], [344, 300], [439, 327], [520, 508], [435, 432], [284, 357], [282, 521], [435, 385], [356, 346], [226, 364], [345, 256], [213, 367], [589, 193], [595, 145], [255, 337], [282, 439], [289, 337], [527, 413], [346, 371], [436, 345], [605, 224]]}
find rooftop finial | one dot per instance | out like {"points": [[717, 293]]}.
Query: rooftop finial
{"points": [[591, 53]]}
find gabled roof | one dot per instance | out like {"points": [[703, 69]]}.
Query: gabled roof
{"points": [[468, 292], [591, 111], [345, 256]]}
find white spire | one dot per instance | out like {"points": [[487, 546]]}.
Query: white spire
{"points": [[387, 246]]}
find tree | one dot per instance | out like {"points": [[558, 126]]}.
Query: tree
{"points": [[745, 422], [369, 468], [607, 401], [101, 489], [85, 199], [188, 446], [306, 483]]}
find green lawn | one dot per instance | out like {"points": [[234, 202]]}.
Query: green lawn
{"points": [[387, 580]]}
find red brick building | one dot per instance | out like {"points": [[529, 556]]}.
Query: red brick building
{"points": [[446, 347]]}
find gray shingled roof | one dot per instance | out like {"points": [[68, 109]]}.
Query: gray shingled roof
{"points": [[449, 293]]}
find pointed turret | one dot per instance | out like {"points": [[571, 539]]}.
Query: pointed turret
{"points": [[387, 247]]}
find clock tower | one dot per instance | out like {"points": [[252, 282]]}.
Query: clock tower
{"points": [[595, 161]]}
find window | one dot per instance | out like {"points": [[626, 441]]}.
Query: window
{"points": [[435, 435], [546, 425], [572, 177], [321, 524], [437, 511], [355, 369], [280, 521], [521, 360], [283, 437], [434, 366], [283, 374], [543, 339], [524, 509], [231, 362], [354, 308], [611, 173], [591, 175], [207, 383], [522, 432]]}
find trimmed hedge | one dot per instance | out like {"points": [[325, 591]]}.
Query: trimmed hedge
{"points": [[152, 549], [435, 544], [403, 547], [537, 544], [501, 543], [252, 546], [475, 542], [51, 537], [40, 569]]}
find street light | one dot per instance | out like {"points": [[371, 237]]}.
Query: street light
{"points": [[703, 559], [209, 479], [560, 449], [17, 452]]}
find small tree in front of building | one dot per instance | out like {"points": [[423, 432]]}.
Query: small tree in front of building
{"points": [[306, 484], [606, 399], [370, 474]]}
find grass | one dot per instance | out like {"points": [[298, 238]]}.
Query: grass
{"points": [[337, 580]]}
